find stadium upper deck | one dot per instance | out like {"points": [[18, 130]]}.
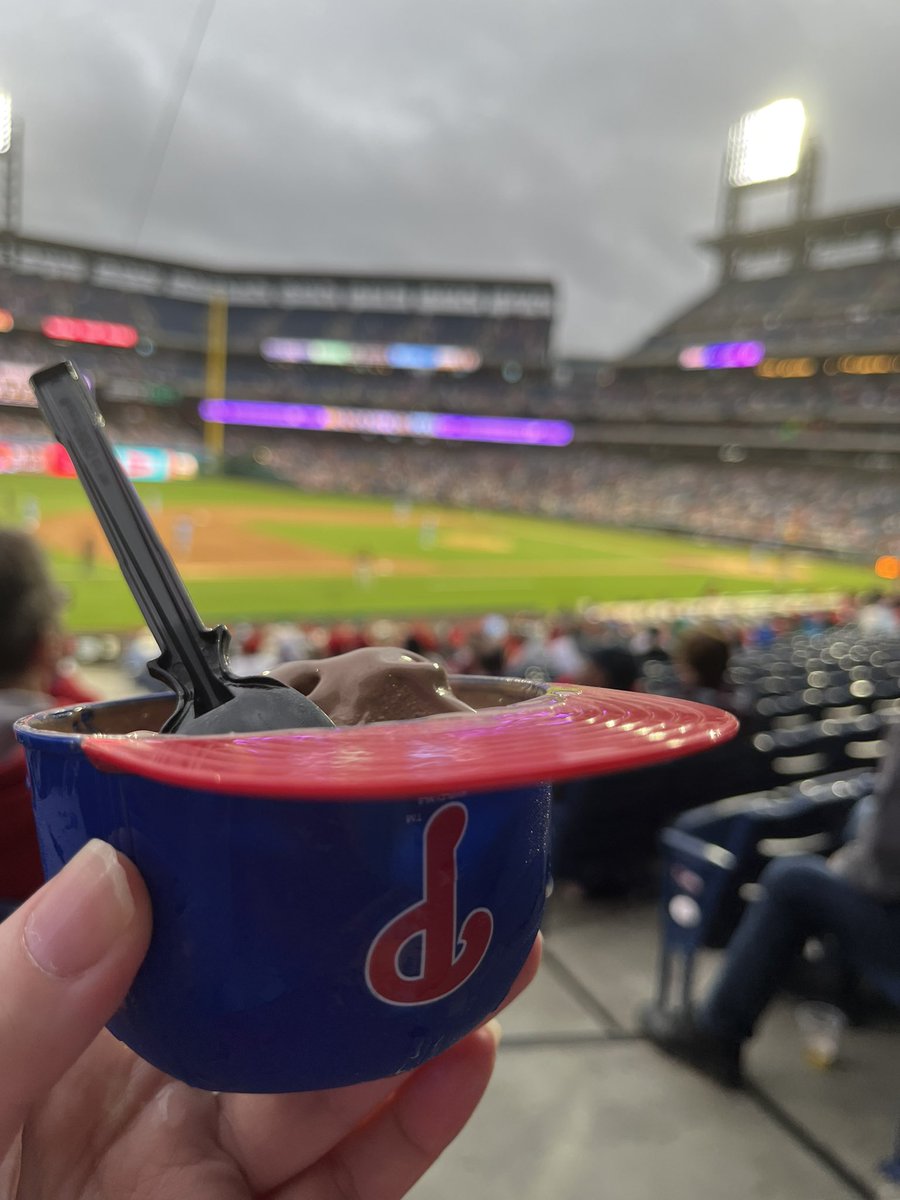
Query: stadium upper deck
{"points": [[286, 332], [813, 300], [794, 353], [824, 286]]}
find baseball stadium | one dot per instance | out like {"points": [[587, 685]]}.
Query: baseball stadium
{"points": [[327, 447], [407, 466]]}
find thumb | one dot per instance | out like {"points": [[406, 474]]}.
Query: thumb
{"points": [[67, 958]]}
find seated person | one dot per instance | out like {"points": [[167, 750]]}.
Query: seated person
{"points": [[30, 645], [852, 899], [701, 662], [648, 646], [610, 667]]}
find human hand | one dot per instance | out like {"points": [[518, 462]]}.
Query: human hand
{"points": [[82, 1116]]}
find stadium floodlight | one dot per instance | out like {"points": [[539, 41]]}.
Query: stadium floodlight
{"points": [[5, 122], [767, 144]]}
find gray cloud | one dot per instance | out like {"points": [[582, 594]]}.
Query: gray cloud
{"points": [[568, 139]]}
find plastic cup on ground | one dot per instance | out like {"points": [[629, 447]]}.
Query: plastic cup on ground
{"points": [[822, 1028]]}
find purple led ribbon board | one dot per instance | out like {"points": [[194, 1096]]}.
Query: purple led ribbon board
{"points": [[453, 427], [721, 355]]}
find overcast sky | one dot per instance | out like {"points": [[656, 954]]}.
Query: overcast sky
{"points": [[578, 140]]}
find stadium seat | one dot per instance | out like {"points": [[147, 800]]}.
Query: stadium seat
{"points": [[713, 855], [787, 712], [817, 748], [608, 826]]}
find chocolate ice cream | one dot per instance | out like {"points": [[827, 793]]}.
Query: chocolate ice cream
{"points": [[379, 683]]}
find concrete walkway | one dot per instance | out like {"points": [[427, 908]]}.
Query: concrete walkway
{"points": [[582, 1109]]}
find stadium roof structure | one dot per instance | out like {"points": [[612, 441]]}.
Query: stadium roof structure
{"points": [[800, 285], [335, 290], [850, 224], [767, 289]]}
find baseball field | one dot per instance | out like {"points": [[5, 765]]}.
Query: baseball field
{"points": [[261, 551]]}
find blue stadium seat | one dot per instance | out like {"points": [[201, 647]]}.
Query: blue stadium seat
{"points": [[712, 854], [818, 748]]}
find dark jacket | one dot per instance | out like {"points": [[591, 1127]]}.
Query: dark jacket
{"points": [[871, 861]]}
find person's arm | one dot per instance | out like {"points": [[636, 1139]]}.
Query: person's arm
{"points": [[872, 860], [881, 833]]}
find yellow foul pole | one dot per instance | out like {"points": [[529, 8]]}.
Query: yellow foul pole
{"points": [[216, 371]]}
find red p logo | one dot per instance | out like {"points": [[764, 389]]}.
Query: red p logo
{"points": [[448, 956]]}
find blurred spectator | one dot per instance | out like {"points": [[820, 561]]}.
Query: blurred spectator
{"points": [[647, 645], [344, 637], [877, 617], [566, 656], [287, 643], [136, 655], [611, 667], [701, 662], [529, 653], [30, 680], [487, 656], [854, 898]]}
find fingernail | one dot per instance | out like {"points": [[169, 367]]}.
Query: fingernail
{"points": [[495, 1029], [83, 911]]}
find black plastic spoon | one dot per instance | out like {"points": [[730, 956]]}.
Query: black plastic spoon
{"points": [[193, 658]]}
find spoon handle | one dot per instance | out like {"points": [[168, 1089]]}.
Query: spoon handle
{"points": [[192, 655]]}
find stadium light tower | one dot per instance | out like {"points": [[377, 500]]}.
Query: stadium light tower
{"points": [[11, 139], [770, 149]]}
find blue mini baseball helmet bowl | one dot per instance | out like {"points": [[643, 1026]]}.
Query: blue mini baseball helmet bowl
{"points": [[330, 906]]}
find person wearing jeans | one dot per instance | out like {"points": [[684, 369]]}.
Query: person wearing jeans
{"points": [[853, 898]]}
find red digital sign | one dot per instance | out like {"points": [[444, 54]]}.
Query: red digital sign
{"points": [[97, 333]]}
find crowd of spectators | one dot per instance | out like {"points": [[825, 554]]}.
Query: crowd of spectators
{"points": [[850, 301], [129, 424], [814, 508], [853, 303], [669, 397], [673, 656], [117, 373], [849, 304], [664, 397], [820, 401], [488, 392]]}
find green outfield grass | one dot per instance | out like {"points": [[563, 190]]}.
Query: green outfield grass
{"points": [[263, 551]]}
